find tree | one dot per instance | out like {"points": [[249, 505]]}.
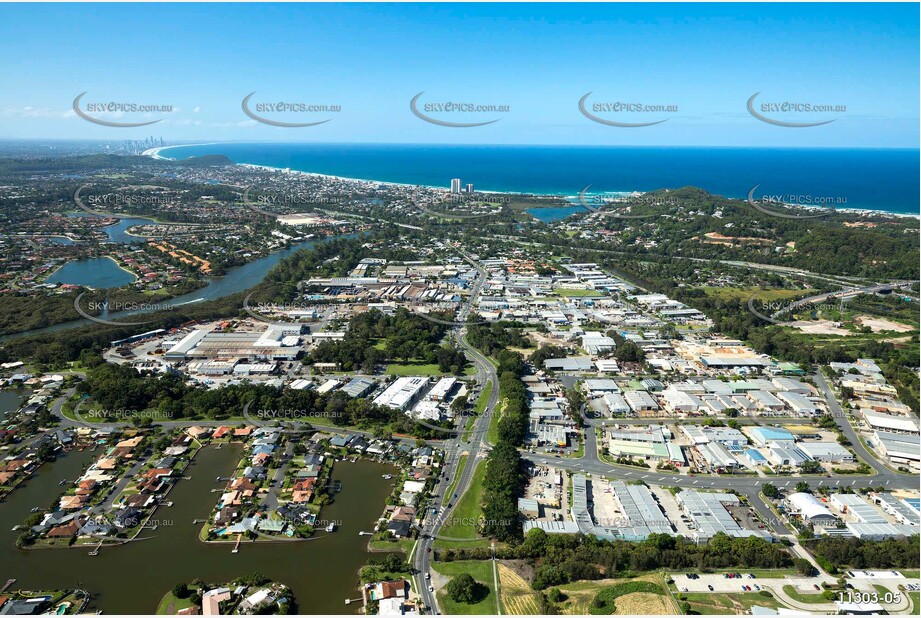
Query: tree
{"points": [[556, 595], [802, 487], [181, 590], [804, 567], [770, 491], [465, 589]]}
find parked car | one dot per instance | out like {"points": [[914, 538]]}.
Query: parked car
{"points": [[710, 587]]}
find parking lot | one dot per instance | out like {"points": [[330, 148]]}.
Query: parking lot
{"points": [[719, 583]]}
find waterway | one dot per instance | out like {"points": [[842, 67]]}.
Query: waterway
{"points": [[11, 400], [131, 579], [97, 273], [118, 232], [235, 280]]}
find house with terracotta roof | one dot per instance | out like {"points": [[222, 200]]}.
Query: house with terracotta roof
{"points": [[130, 443], [395, 589], [158, 473], [72, 503], [243, 432], [403, 513], [65, 531], [220, 432], [106, 463]]}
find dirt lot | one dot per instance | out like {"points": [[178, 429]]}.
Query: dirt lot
{"points": [[819, 327], [881, 324]]}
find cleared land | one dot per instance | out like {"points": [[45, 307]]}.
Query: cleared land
{"points": [[481, 571], [517, 597]]}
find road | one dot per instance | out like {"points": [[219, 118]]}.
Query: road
{"points": [[472, 443], [848, 291]]}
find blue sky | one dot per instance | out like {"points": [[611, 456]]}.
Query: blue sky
{"points": [[537, 59]]}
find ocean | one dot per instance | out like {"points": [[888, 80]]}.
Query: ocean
{"points": [[874, 179]]}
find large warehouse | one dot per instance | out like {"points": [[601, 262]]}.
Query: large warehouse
{"points": [[277, 342]]}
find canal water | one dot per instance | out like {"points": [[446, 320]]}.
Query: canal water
{"points": [[236, 280], [11, 400], [96, 273], [131, 579], [118, 232]]}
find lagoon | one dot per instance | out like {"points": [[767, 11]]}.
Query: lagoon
{"points": [[96, 273]]}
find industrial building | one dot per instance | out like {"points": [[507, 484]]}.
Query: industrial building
{"points": [[709, 514], [810, 509], [827, 452], [277, 342], [403, 393]]}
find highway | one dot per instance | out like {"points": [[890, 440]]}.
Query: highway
{"points": [[472, 443]]}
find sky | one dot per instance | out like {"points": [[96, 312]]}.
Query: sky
{"points": [[702, 62]]}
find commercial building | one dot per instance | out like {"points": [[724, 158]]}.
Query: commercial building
{"points": [[709, 514], [762, 436], [810, 509], [403, 393], [640, 402], [277, 342], [827, 452]]}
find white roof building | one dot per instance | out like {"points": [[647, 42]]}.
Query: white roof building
{"points": [[810, 509]]}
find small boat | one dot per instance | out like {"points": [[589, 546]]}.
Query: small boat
{"points": [[387, 476], [331, 527]]}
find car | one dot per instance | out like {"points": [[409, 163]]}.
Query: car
{"points": [[428, 576], [684, 590], [744, 587], [816, 586], [710, 587], [757, 587], [431, 588], [751, 576]]}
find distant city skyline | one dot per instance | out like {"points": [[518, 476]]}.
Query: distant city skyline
{"points": [[550, 74]]}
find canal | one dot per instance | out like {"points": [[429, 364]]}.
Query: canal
{"points": [[236, 280], [131, 579]]}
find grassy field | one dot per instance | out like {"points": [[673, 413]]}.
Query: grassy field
{"points": [[483, 399], [413, 369], [729, 604], [403, 545], [796, 595], [467, 510], [169, 604], [481, 571], [636, 597], [577, 293], [626, 596], [492, 433]]}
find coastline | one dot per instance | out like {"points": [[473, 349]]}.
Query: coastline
{"points": [[155, 153]]}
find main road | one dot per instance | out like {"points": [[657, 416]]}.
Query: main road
{"points": [[473, 443]]}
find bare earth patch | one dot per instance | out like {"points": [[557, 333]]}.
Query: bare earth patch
{"points": [[881, 324], [819, 327]]}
